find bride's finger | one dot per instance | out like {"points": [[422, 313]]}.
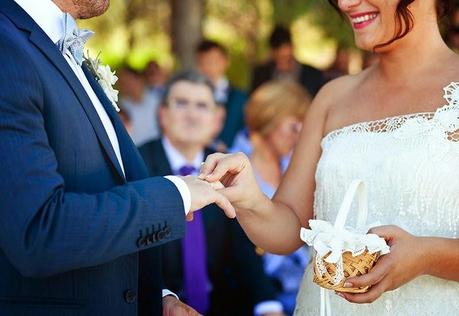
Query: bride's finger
{"points": [[209, 164], [233, 163], [369, 297], [375, 275], [231, 193]]}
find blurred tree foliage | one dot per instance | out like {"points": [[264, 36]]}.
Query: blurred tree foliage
{"points": [[136, 31]]}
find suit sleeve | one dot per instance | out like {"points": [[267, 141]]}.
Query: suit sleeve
{"points": [[44, 229]]}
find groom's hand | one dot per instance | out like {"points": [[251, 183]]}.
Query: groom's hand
{"points": [[204, 193], [174, 307], [235, 172]]}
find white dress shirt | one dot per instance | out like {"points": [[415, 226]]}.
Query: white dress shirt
{"points": [[221, 90], [50, 19], [177, 160]]}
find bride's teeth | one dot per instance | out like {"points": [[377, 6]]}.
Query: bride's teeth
{"points": [[364, 18]]}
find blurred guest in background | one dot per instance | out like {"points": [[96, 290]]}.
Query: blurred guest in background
{"points": [[340, 65], [155, 78], [283, 65], [213, 61], [139, 105], [274, 116], [223, 274], [126, 120]]}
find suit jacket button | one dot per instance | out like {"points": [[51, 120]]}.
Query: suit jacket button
{"points": [[130, 296]]}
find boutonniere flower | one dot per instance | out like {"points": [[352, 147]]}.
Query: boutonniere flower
{"points": [[105, 77]]}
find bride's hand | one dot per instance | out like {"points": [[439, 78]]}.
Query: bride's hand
{"points": [[235, 172], [406, 261]]}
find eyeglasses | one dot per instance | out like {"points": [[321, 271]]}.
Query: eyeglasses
{"points": [[186, 104]]}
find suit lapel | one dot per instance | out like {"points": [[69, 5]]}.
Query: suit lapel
{"points": [[53, 54], [133, 164], [24, 22]]}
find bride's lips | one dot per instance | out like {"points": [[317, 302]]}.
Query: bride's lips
{"points": [[362, 20]]}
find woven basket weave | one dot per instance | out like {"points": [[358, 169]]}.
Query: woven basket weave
{"points": [[353, 266]]}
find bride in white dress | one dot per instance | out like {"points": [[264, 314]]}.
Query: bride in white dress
{"points": [[396, 126]]}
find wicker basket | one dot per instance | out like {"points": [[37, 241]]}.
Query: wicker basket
{"points": [[353, 266]]}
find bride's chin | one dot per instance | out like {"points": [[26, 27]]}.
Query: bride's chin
{"points": [[364, 44]]}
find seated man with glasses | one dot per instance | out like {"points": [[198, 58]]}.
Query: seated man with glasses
{"points": [[223, 275]]}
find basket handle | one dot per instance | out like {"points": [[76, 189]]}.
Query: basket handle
{"points": [[356, 186]]}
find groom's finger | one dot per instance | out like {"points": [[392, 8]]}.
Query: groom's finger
{"points": [[224, 204], [217, 185], [209, 164], [189, 217]]}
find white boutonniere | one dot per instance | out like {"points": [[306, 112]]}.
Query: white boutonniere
{"points": [[105, 77]]}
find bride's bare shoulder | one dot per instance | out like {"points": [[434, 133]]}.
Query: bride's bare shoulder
{"points": [[336, 92]]}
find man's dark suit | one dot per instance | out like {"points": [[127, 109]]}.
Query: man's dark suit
{"points": [[234, 121], [235, 270], [310, 78], [71, 224]]}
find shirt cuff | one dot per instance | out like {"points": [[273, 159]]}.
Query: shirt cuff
{"points": [[166, 292], [268, 307], [183, 190]]}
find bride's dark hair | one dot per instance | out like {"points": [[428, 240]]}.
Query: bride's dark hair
{"points": [[404, 18]]}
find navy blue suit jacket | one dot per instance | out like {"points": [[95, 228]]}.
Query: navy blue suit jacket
{"points": [[71, 224]]}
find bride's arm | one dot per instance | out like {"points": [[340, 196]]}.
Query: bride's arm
{"points": [[410, 257], [443, 257], [275, 225]]}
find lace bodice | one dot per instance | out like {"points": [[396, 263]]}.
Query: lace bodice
{"points": [[410, 164]]}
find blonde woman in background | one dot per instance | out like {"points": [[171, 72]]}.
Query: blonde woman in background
{"points": [[274, 116]]}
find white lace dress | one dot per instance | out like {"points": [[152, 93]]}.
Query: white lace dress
{"points": [[410, 164]]}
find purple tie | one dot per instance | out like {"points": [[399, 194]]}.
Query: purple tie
{"points": [[194, 259]]}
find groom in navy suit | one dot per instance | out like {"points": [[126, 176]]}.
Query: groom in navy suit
{"points": [[80, 218]]}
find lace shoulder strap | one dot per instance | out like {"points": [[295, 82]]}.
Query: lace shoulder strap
{"points": [[448, 115], [452, 94]]}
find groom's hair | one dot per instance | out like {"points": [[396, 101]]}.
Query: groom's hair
{"points": [[188, 76]]}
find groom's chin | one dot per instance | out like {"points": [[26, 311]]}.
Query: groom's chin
{"points": [[92, 8]]}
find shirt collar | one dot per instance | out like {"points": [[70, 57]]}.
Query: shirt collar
{"points": [[222, 84], [47, 15], [177, 160], [221, 90]]}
